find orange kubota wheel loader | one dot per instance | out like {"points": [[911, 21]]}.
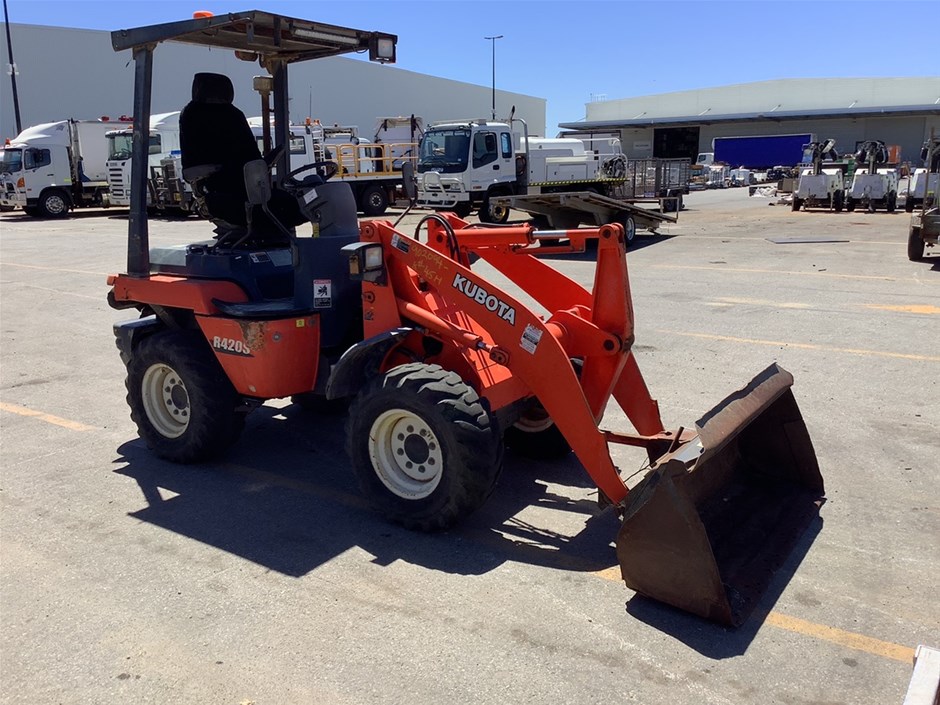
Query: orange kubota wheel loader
{"points": [[443, 366]]}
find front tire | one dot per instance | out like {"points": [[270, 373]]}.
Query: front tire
{"points": [[180, 399], [797, 204], [491, 213], [424, 449], [53, 203]]}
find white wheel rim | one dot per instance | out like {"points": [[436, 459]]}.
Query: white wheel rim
{"points": [[629, 229], [55, 204], [165, 400], [534, 421], [405, 454]]}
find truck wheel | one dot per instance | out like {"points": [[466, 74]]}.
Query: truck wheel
{"points": [[53, 203], [374, 200], [891, 202], [909, 205], [7, 209], [849, 204], [493, 213], [180, 399], [915, 245], [424, 449], [462, 209], [797, 204]]}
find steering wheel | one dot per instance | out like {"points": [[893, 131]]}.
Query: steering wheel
{"points": [[324, 170]]}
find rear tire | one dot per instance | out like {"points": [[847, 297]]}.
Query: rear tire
{"points": [[374, 200], [53, 203], [891, 202], [915, 245], [180, 399], [909, 205], [424, 449], [849, 204], [797, 204]]}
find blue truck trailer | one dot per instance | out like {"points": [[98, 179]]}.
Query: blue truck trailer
{"points": [[761, 151]]}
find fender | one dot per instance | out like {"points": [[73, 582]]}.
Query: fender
{"points": [[129, 333], [349, 373]]}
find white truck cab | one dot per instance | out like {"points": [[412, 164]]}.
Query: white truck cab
{"points": [[463, 165], [49, 169]]}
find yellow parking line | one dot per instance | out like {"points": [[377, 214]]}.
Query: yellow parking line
{"points": [[804, 346], [859, 642], [925, 309], [851, 640], [725, 270], [48, 418]]}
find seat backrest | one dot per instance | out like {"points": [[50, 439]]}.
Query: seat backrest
{"points": [[214, 132]]}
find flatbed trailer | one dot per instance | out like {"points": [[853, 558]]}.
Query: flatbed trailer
{"points": [[566, 211]]}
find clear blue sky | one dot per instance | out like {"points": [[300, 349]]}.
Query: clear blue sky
{"points": [[568, 52]]}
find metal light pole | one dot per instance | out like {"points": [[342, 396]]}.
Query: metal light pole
{"points": [[16, 99], [493, 40]]}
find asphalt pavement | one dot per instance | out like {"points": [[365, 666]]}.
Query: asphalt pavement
{"points": [[263, 578]]}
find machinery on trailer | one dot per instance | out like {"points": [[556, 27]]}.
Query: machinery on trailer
{"points": [[820, 187], [51, 168], [873, 187], [924, 230], [566, 211], [443, 365]]}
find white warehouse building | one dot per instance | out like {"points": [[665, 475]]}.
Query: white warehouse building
{"points": [[897, 111], [74, 73]]}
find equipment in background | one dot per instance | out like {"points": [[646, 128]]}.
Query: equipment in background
{"points": [[820, 187]]}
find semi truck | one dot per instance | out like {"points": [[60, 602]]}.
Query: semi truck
{"points": [[468, 164], [757, 152], [164, 140], [51, 168]]}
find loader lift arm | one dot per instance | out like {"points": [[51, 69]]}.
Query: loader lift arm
{"points": [[750, 457]]}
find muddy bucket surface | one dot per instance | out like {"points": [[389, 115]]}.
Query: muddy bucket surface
{"points": [[711, 523]]}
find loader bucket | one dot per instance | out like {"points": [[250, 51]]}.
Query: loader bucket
{"points": [[711, 522]]}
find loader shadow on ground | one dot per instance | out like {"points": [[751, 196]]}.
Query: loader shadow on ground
{"points": [[713, 640], [285, 497]]}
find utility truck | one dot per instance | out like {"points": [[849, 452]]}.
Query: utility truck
{"points": [[872, 186], [164, 141], [466, 165], [373, 167], [51, 168]]}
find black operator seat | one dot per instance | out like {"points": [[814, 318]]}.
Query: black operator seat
{"points": [[215, 144]]}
